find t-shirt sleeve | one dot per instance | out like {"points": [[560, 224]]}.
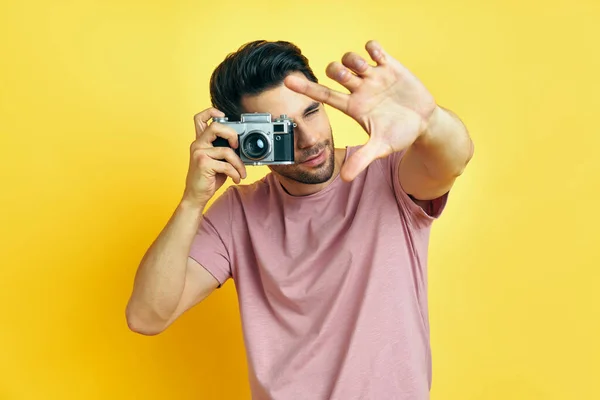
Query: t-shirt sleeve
{"points": [[211, 244], [419, 215]]}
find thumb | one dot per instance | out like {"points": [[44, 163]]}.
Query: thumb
{"points": [[360, 160]]}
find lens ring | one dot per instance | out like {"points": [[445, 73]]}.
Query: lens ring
{"points": [[256, 146]]}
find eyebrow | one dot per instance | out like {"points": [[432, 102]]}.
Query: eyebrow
{"points": [[313, 106]]}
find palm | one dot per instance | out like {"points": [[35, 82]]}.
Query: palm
{"points": [[391, 105], [389, 124]]}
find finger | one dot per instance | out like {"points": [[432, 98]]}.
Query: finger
{"points": [[227, 154], [201, 119], [357, 64], [215, 130], [359, 161], [376, 51], [227, 169], [343, 76], [317, 92]]}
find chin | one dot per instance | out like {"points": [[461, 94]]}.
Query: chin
{"points": [[308, 175]]}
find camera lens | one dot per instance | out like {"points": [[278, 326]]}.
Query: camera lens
{"points": [[256, 146]]}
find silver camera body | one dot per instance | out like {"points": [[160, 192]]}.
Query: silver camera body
{"points": [[261, 141]]}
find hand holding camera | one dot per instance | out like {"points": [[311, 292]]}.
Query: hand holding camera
{"points": [[209, 165], [224, 147]]}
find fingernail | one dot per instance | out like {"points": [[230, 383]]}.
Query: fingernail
{"points": [[376, 53], [341, 74]]}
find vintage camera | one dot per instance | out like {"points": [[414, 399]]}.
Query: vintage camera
{"points": [[260, 140]]}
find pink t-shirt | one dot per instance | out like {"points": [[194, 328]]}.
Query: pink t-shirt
{"points": [[332, 287]]}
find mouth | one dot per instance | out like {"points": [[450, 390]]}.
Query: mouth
{"points": [[315, 160]]}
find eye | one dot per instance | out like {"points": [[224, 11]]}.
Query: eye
{"points": [[311, 113]]}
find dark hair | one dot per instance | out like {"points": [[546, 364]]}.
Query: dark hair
{"points": [[256, 66]]}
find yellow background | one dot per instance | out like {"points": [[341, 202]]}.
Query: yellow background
{"points": [[96, 106]]}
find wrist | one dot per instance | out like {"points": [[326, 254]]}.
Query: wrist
{"points": [[433, 126], [192, 206]]}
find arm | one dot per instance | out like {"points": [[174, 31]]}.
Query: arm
{"points": [[168, 282], [399, 114], [437, 157]]}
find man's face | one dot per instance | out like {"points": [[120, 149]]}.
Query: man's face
{"points": [[313, 139]]}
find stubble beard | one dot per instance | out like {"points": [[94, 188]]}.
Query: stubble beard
{"points": [[310, 175]]}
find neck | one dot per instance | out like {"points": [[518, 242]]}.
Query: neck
{"points": [[295, 188]]}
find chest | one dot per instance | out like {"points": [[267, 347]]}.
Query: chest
{"points": [[298, 251]]}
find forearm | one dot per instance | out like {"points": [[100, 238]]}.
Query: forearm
{"points": [[445, 146], [160, 278]]}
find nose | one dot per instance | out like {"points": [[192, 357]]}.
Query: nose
{"points": [[304, 138]]}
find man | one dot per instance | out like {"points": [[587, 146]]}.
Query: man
{"points": [[329, 255]]}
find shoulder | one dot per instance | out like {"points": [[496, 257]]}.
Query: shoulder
{"points": [[243, 195], [251, 191], [384, 173], [380, 167], [231, 206]]}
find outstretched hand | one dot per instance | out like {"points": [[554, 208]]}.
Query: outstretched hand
{"points": [[387, 100]]}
